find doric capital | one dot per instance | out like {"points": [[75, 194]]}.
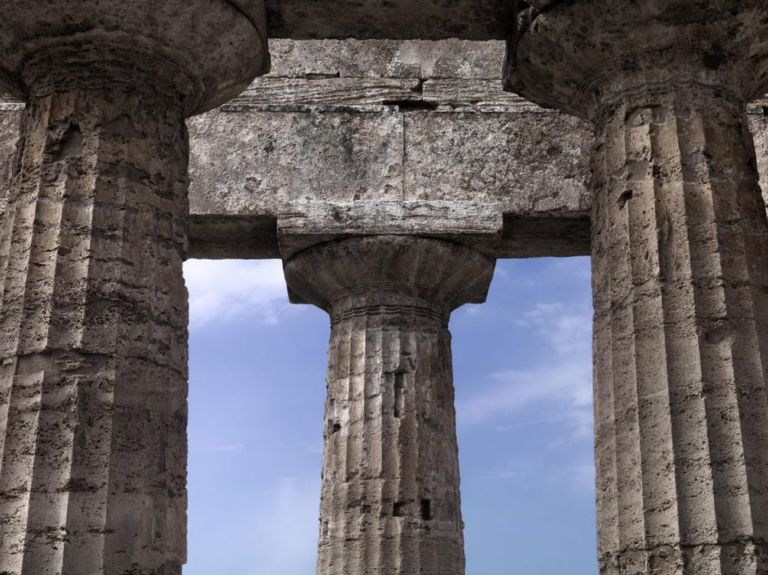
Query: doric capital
{"points": [[578, 56], [389, 273], [202, 52]]}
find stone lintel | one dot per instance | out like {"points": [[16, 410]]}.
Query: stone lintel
{"points": [[256, 236], [213, 237], [399, 19], [341, 122], [309, 223]]}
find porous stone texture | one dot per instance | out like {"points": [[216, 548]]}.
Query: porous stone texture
{"points": [[390, 496], [218, 46], [477, 146], [357, 123], [93, 334], [680, 272], [401, 19], [93, 308], [681, 340]]}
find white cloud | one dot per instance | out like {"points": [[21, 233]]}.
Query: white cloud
{"points": [[221, 290], [560, 388]]}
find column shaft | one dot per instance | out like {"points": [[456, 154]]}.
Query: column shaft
{"points": [[390, 496], [93, 308], [93, 338], [680, 276]]}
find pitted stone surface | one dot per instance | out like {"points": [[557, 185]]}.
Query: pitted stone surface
{"points": [[93, 335], [574, 55], [423, 123], [390, 495], [400, 19], [216, 46], [681, 328], [680, 271], [93, 308]]}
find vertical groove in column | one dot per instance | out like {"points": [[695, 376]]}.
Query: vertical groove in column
{"points": [[631, 489], [390, 402], [391, 445], [607, 488], [680, 247], [93, 328], [695, 488]]}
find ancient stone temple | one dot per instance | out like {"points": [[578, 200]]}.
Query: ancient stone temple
{"points": [[382, 160]]}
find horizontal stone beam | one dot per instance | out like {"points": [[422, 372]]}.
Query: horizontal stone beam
{"points": [[355, 138], [477, 224], [400, 128], [395, 19]]}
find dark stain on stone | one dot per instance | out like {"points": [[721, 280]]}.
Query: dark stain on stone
{"points": [[426, 509], [714, 58], [71, 145], [717, 335], [123, 126], [624, 198]]}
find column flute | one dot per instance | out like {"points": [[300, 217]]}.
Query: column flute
{"points": [[390, 495], [93, 316], [680, 270]]}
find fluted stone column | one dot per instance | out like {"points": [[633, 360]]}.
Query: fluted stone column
{"points": [[390, 496], [93, 308], [680, 271]]}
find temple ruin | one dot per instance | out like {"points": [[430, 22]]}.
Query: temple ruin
{"points": [[389, 152]]}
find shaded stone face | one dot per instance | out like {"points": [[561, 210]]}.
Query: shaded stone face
{"points": [[392, 19], [681, 316], [679, 235], [93, 333]]}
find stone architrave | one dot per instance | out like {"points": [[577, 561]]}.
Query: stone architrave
{"points": [[680, 270], [390, 492], [93, 308]]}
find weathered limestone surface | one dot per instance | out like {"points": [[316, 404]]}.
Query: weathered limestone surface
{"points": [[401, 19], [422, 123], [93, 339], [93, 308], [351, 124], [390, 495], [680, 272], [681, 303], [477, 146]]}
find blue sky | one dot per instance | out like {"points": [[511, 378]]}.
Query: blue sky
{"points": [[522, 366]]}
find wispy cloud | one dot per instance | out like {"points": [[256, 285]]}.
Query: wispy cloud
{"points": [[228, 289], [560, 388], [225, 448]]}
